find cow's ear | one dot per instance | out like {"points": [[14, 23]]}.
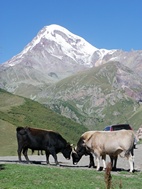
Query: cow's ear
{"points": [[73, 150], [83, 143], [72, 146], [68, 144]]}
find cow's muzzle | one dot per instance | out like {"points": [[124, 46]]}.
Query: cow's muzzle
{"points": [[75, 163]]}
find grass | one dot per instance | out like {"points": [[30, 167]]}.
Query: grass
{"points": [[7, 139], [41, 177]]}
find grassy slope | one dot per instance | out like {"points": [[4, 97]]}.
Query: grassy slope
{"points": [[17, 111]]}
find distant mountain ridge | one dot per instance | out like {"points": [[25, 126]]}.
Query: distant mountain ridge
{"points": [[48, 68]]}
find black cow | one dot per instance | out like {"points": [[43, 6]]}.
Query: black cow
{"points": [[81, 150], [37, 139]]}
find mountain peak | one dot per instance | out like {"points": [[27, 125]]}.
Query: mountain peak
{"points": [[66, 38], [54, 27], [59, 42]]}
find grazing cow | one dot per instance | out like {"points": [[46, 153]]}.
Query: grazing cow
{"points": [[101, 143], [37, 139], [81, 150]]}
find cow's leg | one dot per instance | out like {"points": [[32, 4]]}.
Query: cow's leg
{"points": [[19, 153], [130, 156], [91, 164], [25, 150], [47, 157], [113, 161], [98, 162], [55, 158], [51, 150], [104, 161], [131, 162]]}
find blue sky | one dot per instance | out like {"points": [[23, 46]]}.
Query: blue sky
{"points": [[109, 24]]}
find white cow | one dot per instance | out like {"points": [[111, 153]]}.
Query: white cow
{"points": [[102, 143]]}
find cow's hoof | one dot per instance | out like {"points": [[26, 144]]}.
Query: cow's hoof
{"points": [[91, 165], [98, 169], [131, 171], [29, 163]]}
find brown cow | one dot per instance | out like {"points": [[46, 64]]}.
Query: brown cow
{"points": [[37, 139], [101, 143]]}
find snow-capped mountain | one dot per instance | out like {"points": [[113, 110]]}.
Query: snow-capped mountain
{"points": [[56, 53], [59, 42], [68, 44]]}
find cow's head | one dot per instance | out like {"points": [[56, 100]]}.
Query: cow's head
{"points": [[67, 151], [79, 151], [75, 156]]}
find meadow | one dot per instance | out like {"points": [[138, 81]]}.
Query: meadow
{"points": [[15, 176]]}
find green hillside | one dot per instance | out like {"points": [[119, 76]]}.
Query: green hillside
{"points": [[18, 111]]}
